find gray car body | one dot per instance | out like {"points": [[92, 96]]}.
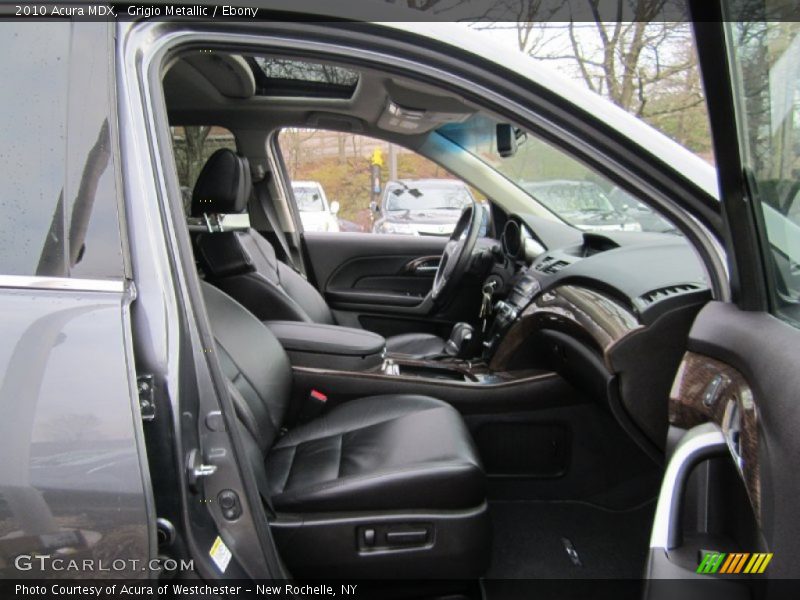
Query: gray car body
{"points": [[74, 479]]}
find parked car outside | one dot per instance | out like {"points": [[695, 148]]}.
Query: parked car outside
{"points": [[421, 206], [316, 213], [582, 204]]}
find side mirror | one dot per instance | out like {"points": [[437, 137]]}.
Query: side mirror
{"points": [[335, 207], [373, 206]]}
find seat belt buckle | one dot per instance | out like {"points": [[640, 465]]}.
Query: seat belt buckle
{"points": [[314, 405]]}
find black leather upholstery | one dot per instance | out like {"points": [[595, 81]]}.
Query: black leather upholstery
{"points": [[254, 361], [378, 453], [415, 345], [223, 186], [326, 339], [394, 453], [244, 264]]}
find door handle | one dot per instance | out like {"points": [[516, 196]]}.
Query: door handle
{"points": [[424, 265], [427, 268]]}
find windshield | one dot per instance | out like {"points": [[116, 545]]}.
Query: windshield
{"points": [[308, 198], [426, 196], [555, 182], [565, 198]]}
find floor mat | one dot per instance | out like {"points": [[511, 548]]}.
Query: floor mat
{"points": [[530, 540]]}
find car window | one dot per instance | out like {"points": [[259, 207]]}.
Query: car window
{"points": [[766, 76], [344, 182], [59, 189], [554, 180]]}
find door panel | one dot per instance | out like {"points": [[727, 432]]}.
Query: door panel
{"points": [[381, 282], [764, 350], [731, 484], [341, 260]]}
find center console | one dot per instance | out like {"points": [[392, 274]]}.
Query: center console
{"points": [[343, 363], [329, 346], [339, 364]]}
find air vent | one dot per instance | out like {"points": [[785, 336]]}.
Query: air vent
{"points": [[668, 292], [550, 265]]}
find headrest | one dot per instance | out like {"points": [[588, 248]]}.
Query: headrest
{"points": [[223, 186]]}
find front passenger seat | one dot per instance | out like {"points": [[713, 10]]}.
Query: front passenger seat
{"points": [[375, 487], [244, 264]]}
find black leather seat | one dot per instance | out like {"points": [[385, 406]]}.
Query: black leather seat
{"points": [[377, 453], [402, 467], [244, 264]]}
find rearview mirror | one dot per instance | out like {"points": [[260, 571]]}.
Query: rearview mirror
{"points": [[506, 136], [373, 206], [334, 207]]}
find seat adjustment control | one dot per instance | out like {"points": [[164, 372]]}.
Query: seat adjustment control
{"points": [[369, 537], [414, 536], [394, 536]]}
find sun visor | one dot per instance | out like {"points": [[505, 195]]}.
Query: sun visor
{"points": [[228, 73]]}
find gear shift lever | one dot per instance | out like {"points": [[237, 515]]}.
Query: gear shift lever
{"points": [[459, 339]]}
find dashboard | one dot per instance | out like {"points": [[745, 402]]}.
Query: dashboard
{"points": [[641, 271], [610, 312]]}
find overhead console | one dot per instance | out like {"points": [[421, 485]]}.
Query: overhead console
{"points": [[403, 112]]}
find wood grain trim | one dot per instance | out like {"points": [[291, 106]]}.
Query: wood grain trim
{"points": [[501, 379], [597, 318], [688, 407]]}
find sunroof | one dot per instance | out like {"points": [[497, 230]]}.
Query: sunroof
{"points": [[288, 77]]}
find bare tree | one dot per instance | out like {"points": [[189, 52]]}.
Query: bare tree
{"points": [[616, 58], [625, 50], [291, 141]]}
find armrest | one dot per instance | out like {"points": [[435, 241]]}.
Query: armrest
{"points": [[308, 344]]}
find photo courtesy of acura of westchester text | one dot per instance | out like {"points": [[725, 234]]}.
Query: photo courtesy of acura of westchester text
{"points": [[452, 299], [178, 589]]}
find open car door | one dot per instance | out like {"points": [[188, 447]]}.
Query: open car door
{"points": [[727, 513]]}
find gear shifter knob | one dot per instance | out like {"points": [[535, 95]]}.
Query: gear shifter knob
{"points": [[459, 338]]}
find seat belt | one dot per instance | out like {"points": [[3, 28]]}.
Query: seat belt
{"points": [[263, 198]]}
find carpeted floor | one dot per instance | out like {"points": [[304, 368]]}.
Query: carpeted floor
{"points": [[528, 540]]}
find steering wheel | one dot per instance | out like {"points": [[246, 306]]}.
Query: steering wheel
{"points": [[457, 254]]}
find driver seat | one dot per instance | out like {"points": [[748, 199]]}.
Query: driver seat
{"points": [[244, 265]]}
